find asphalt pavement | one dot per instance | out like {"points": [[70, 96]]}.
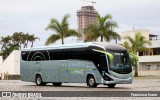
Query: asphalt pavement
{"points": [[80, 90]]}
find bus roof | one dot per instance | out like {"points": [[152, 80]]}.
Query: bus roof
{"points": [[111, 46], [103, 45]]}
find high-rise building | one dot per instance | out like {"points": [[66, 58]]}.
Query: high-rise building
{"points": [[85, 16]]}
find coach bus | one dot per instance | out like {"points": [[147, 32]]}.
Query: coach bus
{"points": [[93, 63]]}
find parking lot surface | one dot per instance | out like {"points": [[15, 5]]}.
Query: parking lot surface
{"points": [[139, 84]]}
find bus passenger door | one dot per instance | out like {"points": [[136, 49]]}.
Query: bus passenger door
{"points": [[64, 76]]}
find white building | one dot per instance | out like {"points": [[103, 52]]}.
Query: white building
{"points": [[1, 60], [11, 65], [149, 60]]}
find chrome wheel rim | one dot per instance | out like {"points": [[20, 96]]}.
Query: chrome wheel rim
{"points": [[38, 80], [91, 81]]}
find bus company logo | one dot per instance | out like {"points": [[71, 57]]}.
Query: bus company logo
{"points": [[6, 94]]}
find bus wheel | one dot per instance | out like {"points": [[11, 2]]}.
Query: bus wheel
{"points": [[111, 85], [39, 81], [91, 81], [57, 84]]}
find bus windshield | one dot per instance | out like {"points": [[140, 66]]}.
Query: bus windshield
{"points": [[120, 62]]}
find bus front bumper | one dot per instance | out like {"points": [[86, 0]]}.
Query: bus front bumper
{"points": [[118, 81]]}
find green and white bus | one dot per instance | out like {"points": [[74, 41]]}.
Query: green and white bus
{"points": [[93, 63]]}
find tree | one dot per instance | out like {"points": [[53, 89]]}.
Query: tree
{"points": [[32, 39], [135, 45], [16, 39], [5, 49], [25, 39], [61, 28], [15, 42], [103, 29], [127, 46], [5, 41], [8, 45]]}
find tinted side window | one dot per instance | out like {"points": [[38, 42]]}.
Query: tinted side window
{"points": [[38, 56], [24, 55], [56, 55]]}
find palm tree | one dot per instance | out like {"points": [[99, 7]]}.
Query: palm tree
{"points": [[127, 46], [32, 39], [5, 41], [26, 38], [104, 29], [8, 45], [16, 39], [5, 52], [137, 44], [4, 49], [61, 28], [14, 42]]}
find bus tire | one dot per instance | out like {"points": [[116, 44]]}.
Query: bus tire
{"points": [[111, 85], [39, 81], [57, 84], [91, 81]]}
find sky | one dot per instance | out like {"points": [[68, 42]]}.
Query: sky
{"points": [[33, 16]]}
